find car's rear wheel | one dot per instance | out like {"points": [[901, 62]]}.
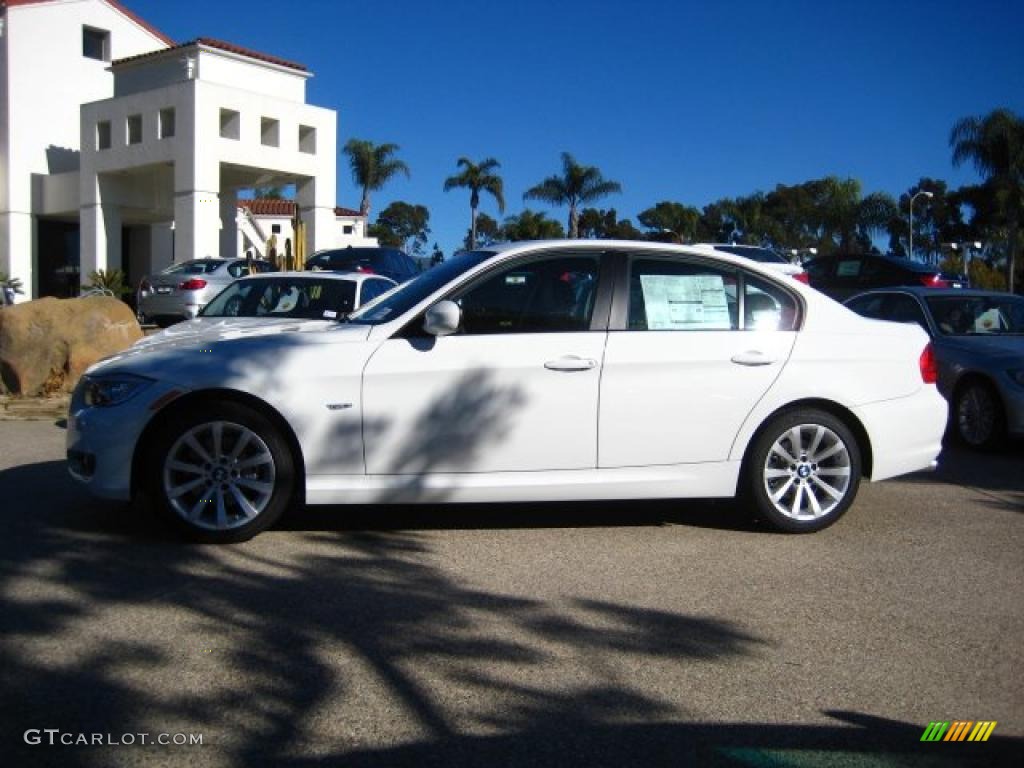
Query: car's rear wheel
{"points": [[222, 473], [978, 416], [803, 470]]}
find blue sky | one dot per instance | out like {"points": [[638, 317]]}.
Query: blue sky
{"points": [[685, 101]]}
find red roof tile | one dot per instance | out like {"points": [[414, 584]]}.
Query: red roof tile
{"points": [[210, 42], [265, 206], [113, 4]]}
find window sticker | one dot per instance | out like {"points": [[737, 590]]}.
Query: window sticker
{"points": [[685, 302], [330, 314], [848, 268]]}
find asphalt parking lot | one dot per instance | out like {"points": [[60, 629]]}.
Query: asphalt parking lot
{"points": [[584, 634]]}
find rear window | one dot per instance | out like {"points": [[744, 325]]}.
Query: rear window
{"points": [[194, 267], [764, 255], [282, 297]]}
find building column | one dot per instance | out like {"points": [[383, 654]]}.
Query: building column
{"points": [[100, 233], [230, 242], [316, 208], [196, 225], [17, 251]]}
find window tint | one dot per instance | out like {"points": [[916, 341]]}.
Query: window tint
{"points": [[372, 289], [766, 307], [542, 296], [868, 306], [676, 295], [238, 269], [194, 267], [900, 308], [817, 269]]}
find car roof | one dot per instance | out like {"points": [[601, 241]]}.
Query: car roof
{"points": [[352, 277], [922, 291]]}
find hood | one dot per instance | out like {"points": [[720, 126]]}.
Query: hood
{"points": [[201, 345], [210, 329]]}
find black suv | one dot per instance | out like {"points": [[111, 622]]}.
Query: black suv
{"points": [[389, 262], [841, 275]]}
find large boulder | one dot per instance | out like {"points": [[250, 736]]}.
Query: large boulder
{"points": [[46, 344]]}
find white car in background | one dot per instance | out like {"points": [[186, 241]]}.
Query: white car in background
{"points": [[770, 258], [561, 370], [277, 302]]}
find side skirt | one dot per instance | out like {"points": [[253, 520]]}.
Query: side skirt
{"points": [[708, 480]]}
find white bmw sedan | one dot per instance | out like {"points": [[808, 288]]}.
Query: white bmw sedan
{"points": [[550, 371]]}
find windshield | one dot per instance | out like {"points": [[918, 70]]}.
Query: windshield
{"points": [[977, 315], [194, 267], [283, 297], [399, 300]]}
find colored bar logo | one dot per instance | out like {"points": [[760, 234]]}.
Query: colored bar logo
{"points": [[959, 730]]}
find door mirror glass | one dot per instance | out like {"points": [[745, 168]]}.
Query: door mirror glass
{"points": [[442, 319]]}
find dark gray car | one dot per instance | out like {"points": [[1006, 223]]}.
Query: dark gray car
{"points": [[978, 339]]}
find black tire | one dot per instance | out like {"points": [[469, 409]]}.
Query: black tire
{"points": [[804, 489], [213, 511], [977, 416]]}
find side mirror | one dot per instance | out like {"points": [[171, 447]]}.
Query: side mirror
{"points": [[442, 319]]}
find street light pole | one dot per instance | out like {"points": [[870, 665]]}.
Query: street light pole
{"points": [[927, 194]]}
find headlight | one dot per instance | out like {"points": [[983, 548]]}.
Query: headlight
{"points": [[112, 390], [1017, 376]]}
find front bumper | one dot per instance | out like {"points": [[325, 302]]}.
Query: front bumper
{"points": [[906, 433], [101, 441]]}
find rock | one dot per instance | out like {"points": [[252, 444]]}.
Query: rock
{"points": [[46, 344]]}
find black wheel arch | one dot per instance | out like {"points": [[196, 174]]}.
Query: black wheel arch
{"points": [[191, 399]]}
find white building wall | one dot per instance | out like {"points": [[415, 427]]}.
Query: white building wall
{"points": [[46, 78]]}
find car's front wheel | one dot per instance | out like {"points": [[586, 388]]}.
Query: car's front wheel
{"points": [[221, 473], [803, 470], [978, 416]]}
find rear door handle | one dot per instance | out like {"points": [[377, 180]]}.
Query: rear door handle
{"points": [[752, 357], [571, 363]]}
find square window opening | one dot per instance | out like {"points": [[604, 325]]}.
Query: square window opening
{"points": [[96, 43], [166, 123], [270, 132], [348, 229], [103, 134], [230, 124], [307, 139], [134, 126]]}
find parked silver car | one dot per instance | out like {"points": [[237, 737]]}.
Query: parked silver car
{"points": [[978, 338], [181, 290]]}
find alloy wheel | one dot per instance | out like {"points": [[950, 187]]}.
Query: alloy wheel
{"points": [[807, 472], [219, 475]]}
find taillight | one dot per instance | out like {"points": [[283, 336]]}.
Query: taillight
{"points": [[193, 284], [929, 370], [935, 281], [803, 277], [365, 270]]}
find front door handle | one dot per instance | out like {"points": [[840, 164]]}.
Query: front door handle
{"points": [[752, 357], [571, 363]]}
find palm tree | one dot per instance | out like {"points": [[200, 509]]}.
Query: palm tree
{"points": [[477, 178], [530, 225], [578, 184], [373, 165], [994, 144], [847, 219]]}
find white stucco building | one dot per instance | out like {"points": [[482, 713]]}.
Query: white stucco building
{"points": [[120, 149]]}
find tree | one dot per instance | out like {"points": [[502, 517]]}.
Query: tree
{"points": [[994, 145], [937, 220], [373, 165], [477, 179], [530, 225], [488, 232], [403, 225], [437, 255], [598, 224], [577, 185], [670, 222], [269, 193], [846, 219]]}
